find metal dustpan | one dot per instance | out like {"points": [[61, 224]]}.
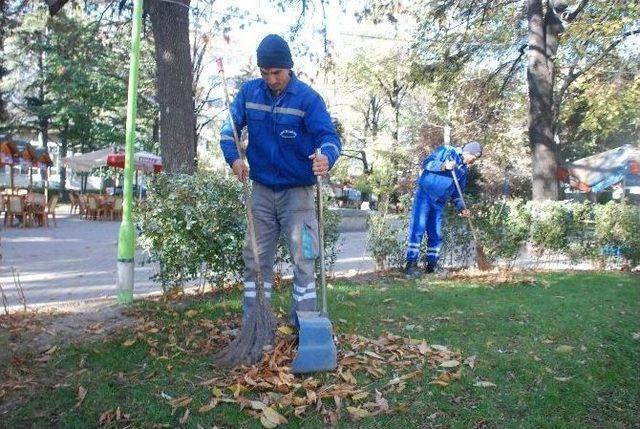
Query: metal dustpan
{"points": [[316, 348]]}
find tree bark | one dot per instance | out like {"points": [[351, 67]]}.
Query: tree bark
{"points": [[170, 24], [4, 22], [64, 148], [544, 28]]}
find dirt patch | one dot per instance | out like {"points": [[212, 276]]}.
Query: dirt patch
{"points": [[35, 331]]}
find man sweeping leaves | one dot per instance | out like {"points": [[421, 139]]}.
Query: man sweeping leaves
{"points": [[286, 122], [435, 186]]}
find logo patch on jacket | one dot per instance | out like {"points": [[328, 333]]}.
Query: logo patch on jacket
{"points": [[288, 134]]}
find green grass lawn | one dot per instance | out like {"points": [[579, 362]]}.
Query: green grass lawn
{"points": [[560, 350]]}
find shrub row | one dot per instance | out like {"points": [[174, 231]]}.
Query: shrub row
{"points": [[587, 232]]}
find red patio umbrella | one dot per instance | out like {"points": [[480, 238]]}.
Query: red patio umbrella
{"points": [[144, 161]]}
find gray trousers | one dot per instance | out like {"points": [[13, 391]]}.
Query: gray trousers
{"points": [[291, 212]]}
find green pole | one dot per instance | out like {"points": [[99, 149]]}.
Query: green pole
{"points": [[126, 236]]}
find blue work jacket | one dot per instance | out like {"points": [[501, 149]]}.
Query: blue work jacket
{"points": [[438, 183], [282, 132]]}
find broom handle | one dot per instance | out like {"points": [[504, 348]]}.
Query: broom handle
{"points": [[323, 280], [245, 188], [464, 205]]}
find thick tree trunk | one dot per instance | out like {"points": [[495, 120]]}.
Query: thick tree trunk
{"points": [[170, 23], [4, 5], [543, 45]]}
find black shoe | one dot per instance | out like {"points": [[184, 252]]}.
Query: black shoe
{"points": [[411, 270], [429, 268]]}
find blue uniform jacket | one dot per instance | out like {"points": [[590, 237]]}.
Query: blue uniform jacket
{"points": [[283, 132], [438, 183]]}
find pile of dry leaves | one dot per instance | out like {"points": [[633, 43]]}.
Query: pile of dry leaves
{"points": [[368, 370]]}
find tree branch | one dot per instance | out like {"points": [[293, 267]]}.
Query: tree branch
{"points": [[55, 5], [571, 16], [572, 76]]}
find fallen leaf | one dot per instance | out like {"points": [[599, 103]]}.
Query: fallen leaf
{"points": [[184, 417], [267, 423], [636, 336], [210, 406], [439, 348], [564, 349], [360, 396], [82, 392], [450, 363], [286, 330], [348, 377], [257, 405], [271, 418], [129, 343], [299, 411], [483, 383], [373, 355], [471, 361], [381, 402], [191, 313], [106, 417], [182, 401], [358, 413], [563, 379], [51, 351], [423, 348]]}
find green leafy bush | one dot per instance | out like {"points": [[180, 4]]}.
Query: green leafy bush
{"points": [[550, 226], [617, 230], [386, 240], [193, 227]]}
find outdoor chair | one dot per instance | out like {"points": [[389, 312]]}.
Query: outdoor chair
{"points": [[82, 205], [35, 205], [15, 208], [3, 207], [75, 202], [106, 206], [117, 209], [51, 210], [94, 211]]}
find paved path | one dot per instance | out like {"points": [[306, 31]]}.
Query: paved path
{"points": [[77, 261]]}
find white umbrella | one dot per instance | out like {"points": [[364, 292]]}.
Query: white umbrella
{"points": [[87, 161]]}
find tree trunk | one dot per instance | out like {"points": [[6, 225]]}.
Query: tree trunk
{"points": [[43, 120], [4, 5], [170, 24], [64, 148], [544, 29]]}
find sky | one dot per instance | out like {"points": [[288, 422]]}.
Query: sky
{"points": [[342, 28]]}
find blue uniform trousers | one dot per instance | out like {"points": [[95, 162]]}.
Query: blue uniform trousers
{"points": [[427, 215]]}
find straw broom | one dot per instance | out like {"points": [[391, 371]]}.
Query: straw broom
{"points": [[258, 332], [481, 258]]}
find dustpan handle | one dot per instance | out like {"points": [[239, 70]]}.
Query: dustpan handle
{"points": [[323, 280]]}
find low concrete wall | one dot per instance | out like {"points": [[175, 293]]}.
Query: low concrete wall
{"points": [[352, 219]]}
